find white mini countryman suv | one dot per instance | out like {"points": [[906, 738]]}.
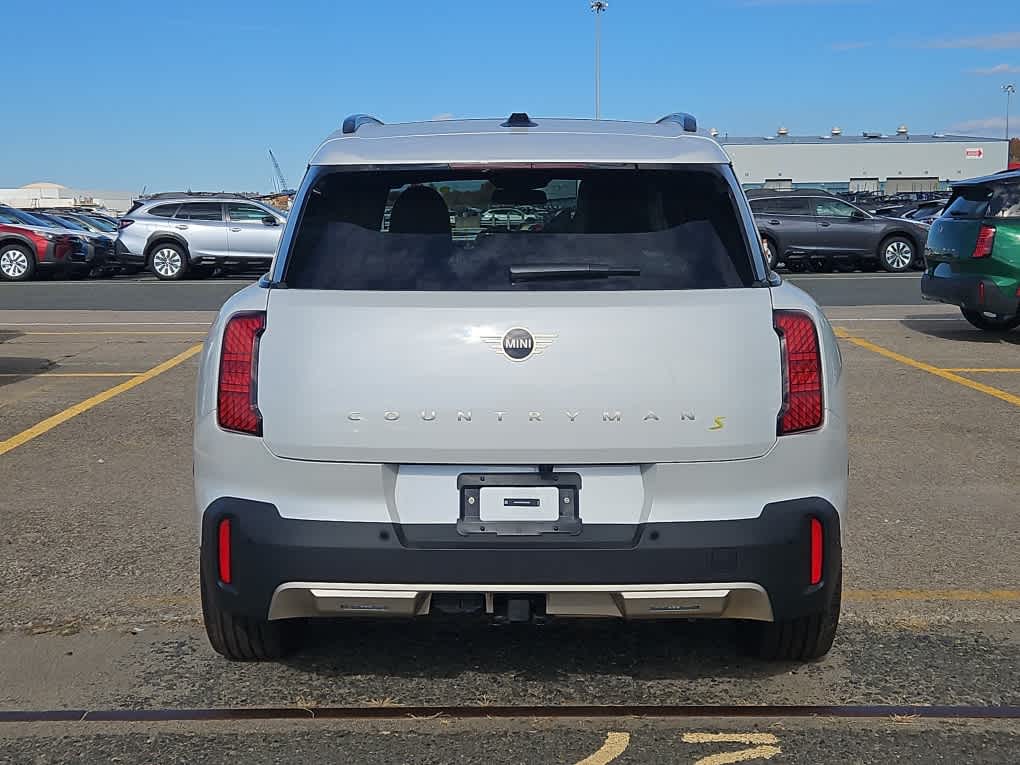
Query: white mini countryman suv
{"points": [[614, 411]]}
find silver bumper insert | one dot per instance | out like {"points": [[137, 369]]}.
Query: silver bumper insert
{"points": [[722, 600]]}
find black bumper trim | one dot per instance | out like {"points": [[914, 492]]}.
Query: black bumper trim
{"points": [[962, 291], [228, 262], [124, 256], [771, 550]]}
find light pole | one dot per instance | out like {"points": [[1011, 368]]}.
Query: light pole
{"points": [[598, 6], [1009, 89]]}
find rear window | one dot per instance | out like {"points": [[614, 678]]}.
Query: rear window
{"points": [[781, 206], [164, 211], [1005, 201], [464, 230], [200, 211], [28, 219], [1000, 200]]}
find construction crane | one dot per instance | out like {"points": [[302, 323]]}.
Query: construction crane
{"points": [[280, 181]]}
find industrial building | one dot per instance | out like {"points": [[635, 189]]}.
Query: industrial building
{"points": [[869, 162], [55, 195]]}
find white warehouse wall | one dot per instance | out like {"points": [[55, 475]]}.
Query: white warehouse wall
{"points": [[835, 162]]}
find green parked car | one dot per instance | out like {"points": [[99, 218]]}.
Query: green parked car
{"points": [[972, 258]]}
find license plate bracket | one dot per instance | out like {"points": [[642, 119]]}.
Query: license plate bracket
{"points": [[529, 487]]}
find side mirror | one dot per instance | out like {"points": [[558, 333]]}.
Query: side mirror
{"points": [[269, 220], [859, 215]]}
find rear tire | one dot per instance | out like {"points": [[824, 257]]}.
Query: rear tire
{"points": [[17, 264], [897, 254], [239, 638], [990, 324], [802, 639], [168, 262]]}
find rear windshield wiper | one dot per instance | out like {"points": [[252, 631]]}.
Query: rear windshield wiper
{"points": [[569, 271]]}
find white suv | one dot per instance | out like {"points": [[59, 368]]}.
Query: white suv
{"points": [[174, 234], [619, 413]]}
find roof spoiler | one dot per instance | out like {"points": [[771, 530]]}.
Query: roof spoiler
{"points": [[354, 121], [688, 122]]}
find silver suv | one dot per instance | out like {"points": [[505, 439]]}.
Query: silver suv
{"points": [[621, 413], [172, 234]]}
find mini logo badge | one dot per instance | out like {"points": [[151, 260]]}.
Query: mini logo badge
{"points": [[519, 344]]}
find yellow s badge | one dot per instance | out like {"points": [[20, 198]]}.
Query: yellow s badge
{"points": [[720, 423]]}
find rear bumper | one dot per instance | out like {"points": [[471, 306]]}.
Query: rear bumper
{"points": [[965, 291], [754, 568], [123, 256]]}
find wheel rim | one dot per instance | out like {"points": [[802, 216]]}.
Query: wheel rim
{"points": [[13, 263], [167, 262], [769, 256], [899, 254]]}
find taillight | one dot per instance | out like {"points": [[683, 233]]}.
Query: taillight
{"points": [[123, 223], [801, 359], [236, 402], [223, 551], [817, 551], [985, 241]]}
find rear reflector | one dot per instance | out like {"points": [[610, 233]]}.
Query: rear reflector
{"points": [[236, 403], [985, 242], [981, 293], [817, 551], [223, 547], [803, 407]]}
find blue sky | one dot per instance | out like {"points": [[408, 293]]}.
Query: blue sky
{"points": [[121, 95]]}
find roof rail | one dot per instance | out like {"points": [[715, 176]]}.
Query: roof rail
{"points": [[354, 121], [195, 195], [687, 121]]}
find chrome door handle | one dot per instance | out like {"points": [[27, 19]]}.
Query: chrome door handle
{"points": [[774, 222], [235, 229]]}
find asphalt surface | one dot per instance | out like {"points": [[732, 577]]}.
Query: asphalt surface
{"points": [[146, 293], [525, 742], [99, 608]]}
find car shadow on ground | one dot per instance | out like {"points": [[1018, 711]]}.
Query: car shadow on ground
{"points": [[960, 332], [16, 368], [445, 648]]}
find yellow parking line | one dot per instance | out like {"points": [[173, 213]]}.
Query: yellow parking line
{"points": [[980, 369], [69, 374], [956, 596], [906, 360], [614, 746], [73, 411]]}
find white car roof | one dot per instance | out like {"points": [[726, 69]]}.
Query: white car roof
{"points": [[485, 141]]}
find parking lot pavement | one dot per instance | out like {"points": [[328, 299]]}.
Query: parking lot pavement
{"points": [[100, 605], [524, 742]]}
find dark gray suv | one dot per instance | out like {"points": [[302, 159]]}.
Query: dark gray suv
{"points": [[808, 229]]}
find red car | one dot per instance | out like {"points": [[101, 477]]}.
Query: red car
{"points": [[26, 249]]}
